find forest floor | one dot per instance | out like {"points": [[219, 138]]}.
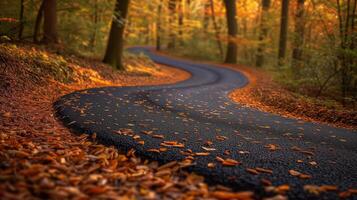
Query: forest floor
{"points": [[265, 94], [40, 158]]}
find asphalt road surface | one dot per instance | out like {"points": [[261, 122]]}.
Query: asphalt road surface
{"points": [[195, 117]]}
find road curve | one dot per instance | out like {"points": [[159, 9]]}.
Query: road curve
{"points": [[197, 112]]}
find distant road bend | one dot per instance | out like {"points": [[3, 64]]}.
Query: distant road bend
{"points": [[198, 115]]}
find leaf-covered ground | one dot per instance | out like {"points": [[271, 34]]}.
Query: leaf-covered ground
{"points": [[41, 159], [265, 94]]}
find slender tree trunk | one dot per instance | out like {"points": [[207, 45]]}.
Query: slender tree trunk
{"points": [[283, 32], [114, 53], [50, 22], [158, 27], [347, 17], [231, 13], [181, 21], [263, 32], [215, 25], [21, 19], [172, 12], [187, 9], [206, 17], [38, 22], [95, 22], [246, 48], [244, 20], [299, 37], [147, 34]]}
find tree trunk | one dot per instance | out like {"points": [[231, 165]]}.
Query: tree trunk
{"points": [[95, 22], [187, 7], [299, 37], [263, 32], [172, 12], [50, 22], [231, 56], [347, 17], [158, 27], [283, 32], [21, 19], [181, 22], [206, 8], [38, 22], [215, 25], [245, 20], [114, 53], [147, 34]]}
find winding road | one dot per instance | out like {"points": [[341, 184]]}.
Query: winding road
{"points": [[196, 118]]}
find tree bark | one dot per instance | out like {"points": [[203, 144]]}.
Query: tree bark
{"points": [[283, 32], [21, 19], [172, 12], [263, 33], [50, 22], [181, 22], [231, 13], [215, 25], [158, 27], [299, 37], [347, 16], [206, 17], [93, 38], [114, 53], [38, 22]]}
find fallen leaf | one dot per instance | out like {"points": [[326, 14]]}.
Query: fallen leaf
{"points": [[209, 149], [153, 150], [299, 174], [345, 194], [312, 189], [252, 171], [313, 163], [272, 147], [211, 165], [295, 148], [266, 182], [172, 144], [305, 176], [233, 195], [294, 173], [97, 190], [167, 165], [221, 137], [243, 152], [202, 154], [6, 114], [282, 189], [353, 191], [277, 197], [158, 136], [328, 187], [219, 159], [262, 170], [141, 142], [230, 162]]}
